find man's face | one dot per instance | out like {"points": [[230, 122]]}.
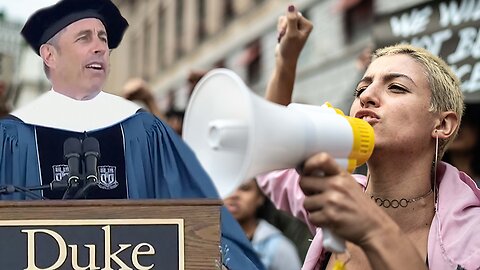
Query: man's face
{"points": [[81, 60]]}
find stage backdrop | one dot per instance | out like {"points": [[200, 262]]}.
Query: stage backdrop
{"points": [[449, 29]]}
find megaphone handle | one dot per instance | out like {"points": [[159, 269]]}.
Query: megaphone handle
{"points": [[332, 242]]}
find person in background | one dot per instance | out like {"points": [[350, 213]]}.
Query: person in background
{"points": [[411, 211], [137, 89], [194, 77], [294, 229], [141, 158], [5, 107], [275, 250], [174, 119], [364, 59], [464, 151]]}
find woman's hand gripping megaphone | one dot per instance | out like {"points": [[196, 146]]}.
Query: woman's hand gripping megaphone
{"points": [[334, 201]]}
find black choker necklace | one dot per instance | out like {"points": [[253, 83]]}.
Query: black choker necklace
{"points": [[387, 203]]}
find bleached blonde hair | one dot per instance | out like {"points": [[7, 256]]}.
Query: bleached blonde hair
{"points": [[444, 84]]}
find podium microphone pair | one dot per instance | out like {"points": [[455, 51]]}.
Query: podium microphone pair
{"points": [[76, 185], [237, 135], [78, 153]]}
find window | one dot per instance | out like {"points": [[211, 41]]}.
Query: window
{"points": [[229, 11], [179, 27], [161, 38], [134, 58], [253, 62], [358, 19], [146, 50], [202, 15]]}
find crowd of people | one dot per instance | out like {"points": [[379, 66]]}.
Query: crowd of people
{"points": [[408, 210]]}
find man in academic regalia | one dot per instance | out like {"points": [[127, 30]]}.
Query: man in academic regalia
{"points": [[140, 156]]}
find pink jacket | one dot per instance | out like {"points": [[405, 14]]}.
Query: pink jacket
{"points": [[454, 237]]}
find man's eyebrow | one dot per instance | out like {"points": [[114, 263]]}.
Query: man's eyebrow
{"points": [[89, 32], [102, 33], [84, 32]]}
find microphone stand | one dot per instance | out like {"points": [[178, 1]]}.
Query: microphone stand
{"points": [[83, 191], [10, 189], [70, 188], [76, 185]]}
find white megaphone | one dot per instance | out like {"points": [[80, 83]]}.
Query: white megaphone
{"points": [[237, 135]]}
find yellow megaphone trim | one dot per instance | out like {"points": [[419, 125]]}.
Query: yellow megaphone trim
{"points": [[363, 140]]}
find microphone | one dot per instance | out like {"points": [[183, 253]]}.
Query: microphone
{"points": [[75, 184], [72, 147], [91, 153]]}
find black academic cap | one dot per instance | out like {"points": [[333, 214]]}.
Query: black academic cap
{"points": [[46, 22]]}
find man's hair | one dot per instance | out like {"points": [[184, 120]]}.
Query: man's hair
{"points": [[446, 94], [54, 42]]}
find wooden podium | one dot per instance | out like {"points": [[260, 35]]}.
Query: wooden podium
{"points": [[60, 224]]}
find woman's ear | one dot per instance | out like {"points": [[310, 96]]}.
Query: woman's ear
{"points": [[47, 54], [446, 126]]}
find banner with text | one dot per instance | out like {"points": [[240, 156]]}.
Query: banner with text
{"points": [[449, 29]]}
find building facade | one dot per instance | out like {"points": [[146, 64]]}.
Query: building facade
{"points": [[10, 53], [167, 39], [21, 70]]}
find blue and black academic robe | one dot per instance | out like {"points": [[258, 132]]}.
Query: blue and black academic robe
{"points": [[157, 164]]}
